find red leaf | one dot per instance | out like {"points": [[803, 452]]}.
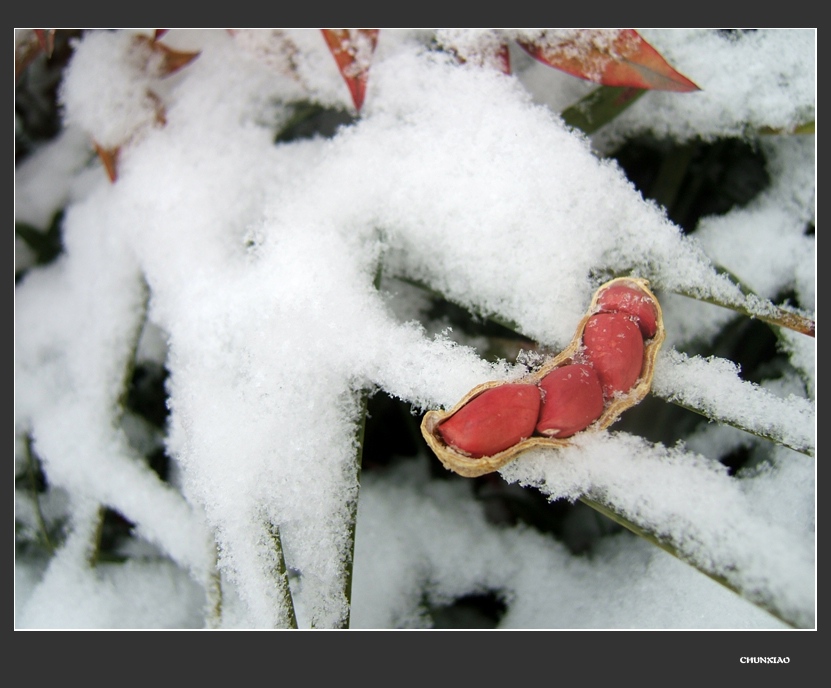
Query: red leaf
{"points": [[352, 50], [500, 58], [609, 57], [158, 33], [495, 57], [109, 156], [27, 48], [503, 57], [172, 60], [46, 38]]}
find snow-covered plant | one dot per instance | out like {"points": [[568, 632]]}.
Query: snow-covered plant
{"points": [[248, 262]]}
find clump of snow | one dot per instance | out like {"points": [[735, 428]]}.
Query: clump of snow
{"points": [[714, 387], [113, 66]]}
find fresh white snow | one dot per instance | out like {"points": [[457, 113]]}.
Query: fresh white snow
{"points": [[247, 269]]}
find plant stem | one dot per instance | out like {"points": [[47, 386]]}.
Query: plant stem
{"points": [[282, 574], [760, 601], [353, 507], [502, 322], [668, 181], [600, 107], [95, 551], [773, 315], [804, 128], [764, 310], [30, 464], [213, 594], [360, 432], [802, 449]]}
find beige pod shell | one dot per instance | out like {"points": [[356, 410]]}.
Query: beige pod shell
{"points": [[473, 467]]}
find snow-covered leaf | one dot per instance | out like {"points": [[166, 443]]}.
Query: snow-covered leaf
{"points": [[352, 50], [609, 57]]}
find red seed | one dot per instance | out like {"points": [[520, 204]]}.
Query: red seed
{"points": [[633, 302], [572, 399], [614, 348], [498, 418]]}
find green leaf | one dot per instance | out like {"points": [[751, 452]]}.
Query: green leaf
{"points": [[46, 245], [804, 128]]}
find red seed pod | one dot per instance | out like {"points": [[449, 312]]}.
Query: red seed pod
{"points": [[498, 418], [572, 400], [631, 301], [613, 346]]}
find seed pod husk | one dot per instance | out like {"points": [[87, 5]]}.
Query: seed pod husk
{"points": [[475, 466]]}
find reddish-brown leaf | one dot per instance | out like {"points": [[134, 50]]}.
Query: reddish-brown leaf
{"points": [[498, 58], [27, 49], [158, 33], [353, 50], [503, 58], [161, 116], [172, 60], [610, 57], [109, 156], [46, 38]]}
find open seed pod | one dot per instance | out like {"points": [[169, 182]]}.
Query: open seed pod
{"points": [[627, 295]]}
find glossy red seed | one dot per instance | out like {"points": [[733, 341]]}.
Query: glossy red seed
{"points": [[572, 400], [633, 302], [497, 419], [613, 346]]}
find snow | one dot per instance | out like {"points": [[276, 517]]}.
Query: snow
{"points": [[248, 270]]}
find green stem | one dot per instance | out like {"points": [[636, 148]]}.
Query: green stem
{"points": [[600, 107], [130, 364], [670, 177], [30, 464], [762, 602], [773, 315], [95, 552], [353, 508], [213, 593], [360, 432], [770, 313], [804, 128], [802, 449], [282, 574], [502, 322]]}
